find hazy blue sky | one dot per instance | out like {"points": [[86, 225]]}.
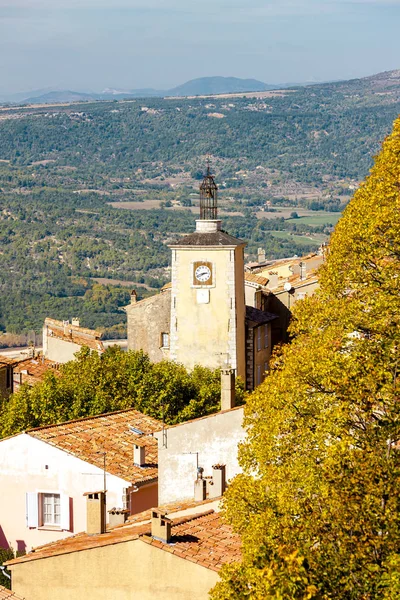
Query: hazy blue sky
{"points": [[93, 44]]}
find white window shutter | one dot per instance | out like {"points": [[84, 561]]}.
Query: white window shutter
{"points": [[64, 512], [32, 509]]}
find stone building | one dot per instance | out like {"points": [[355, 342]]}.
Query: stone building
{"points": [[62, 339], [282, 283], [149, 324], [201, 317]]}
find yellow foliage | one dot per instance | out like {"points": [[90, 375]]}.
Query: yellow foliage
{"points": [[318, 503]]}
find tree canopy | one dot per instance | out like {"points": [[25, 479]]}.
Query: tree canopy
{"points": [[114, 380], [318, 504]]}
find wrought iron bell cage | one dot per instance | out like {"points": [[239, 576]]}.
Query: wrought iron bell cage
{"points": [[208, 197]]}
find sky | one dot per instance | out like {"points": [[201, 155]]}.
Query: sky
{"points": [[90, 45]]}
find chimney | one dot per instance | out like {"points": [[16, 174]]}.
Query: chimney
{"points": [[261, 255], [160, 526], [133, 297], [303, 270], [117, 516], [200, 490], [227, 389], [219, 481], [139, 455], [75, 322], [95, 512], [66, 327], [273, 280]]}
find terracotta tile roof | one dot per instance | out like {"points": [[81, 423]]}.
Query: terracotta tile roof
{"points": [[202, 537], [32, 370], [296, 281], [5, 594], [205, 540], [8, 361], [75, 334], [252, 278], [83, 541], [90, 437], [179, 506]]}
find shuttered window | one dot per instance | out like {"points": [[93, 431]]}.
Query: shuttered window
{"points": [[258, 338], [266, 340], [48, 509]]}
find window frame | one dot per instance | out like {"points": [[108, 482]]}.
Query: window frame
{"points": [[35, 511], [55, 520], [266, 336], [166, 334], [259, 344]]}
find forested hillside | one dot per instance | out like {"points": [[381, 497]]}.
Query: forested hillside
{"points": [[61, 166]]}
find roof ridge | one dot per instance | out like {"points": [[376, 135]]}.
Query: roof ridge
{"points": [[188, 518], [82, 419]]}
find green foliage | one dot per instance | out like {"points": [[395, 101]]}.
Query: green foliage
{"points": [[5, 555], [318, 503], [115, 380]]}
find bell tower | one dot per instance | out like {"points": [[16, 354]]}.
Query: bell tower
{"points": [[207, 295], [208, 197]]}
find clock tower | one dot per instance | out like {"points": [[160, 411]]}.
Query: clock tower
{"points": [[207, 295]]}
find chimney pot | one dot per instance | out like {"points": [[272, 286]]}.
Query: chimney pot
{"points": [[75, 322], [261, 255], [219, 481], [227, 389], [117, 516], [139, 455], [95, 512], [200, 489], [160, 527]]}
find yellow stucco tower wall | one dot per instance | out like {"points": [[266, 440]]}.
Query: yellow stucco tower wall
{"points": [[208, 314]]}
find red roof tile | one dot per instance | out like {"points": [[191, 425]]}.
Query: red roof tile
{"points": [[75, 334], [5, 594], [252, 278], [9, 361], [204, 539], [32, 370], [90, 437]]}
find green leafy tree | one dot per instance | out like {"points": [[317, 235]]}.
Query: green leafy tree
{"points": [[115, 380], [318, 504]]}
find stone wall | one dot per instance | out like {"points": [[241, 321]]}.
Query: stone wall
{"points": [[147, 320]]}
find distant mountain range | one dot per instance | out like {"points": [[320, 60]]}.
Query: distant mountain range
{"points": [[202, 86]]}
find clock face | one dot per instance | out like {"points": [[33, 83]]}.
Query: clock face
{"points": [[202, 273]]}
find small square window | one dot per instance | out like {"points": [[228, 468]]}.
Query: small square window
{"points": [[165, 340]]}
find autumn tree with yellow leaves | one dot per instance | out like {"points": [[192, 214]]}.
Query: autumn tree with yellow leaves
{"points": [[318, 504]]}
